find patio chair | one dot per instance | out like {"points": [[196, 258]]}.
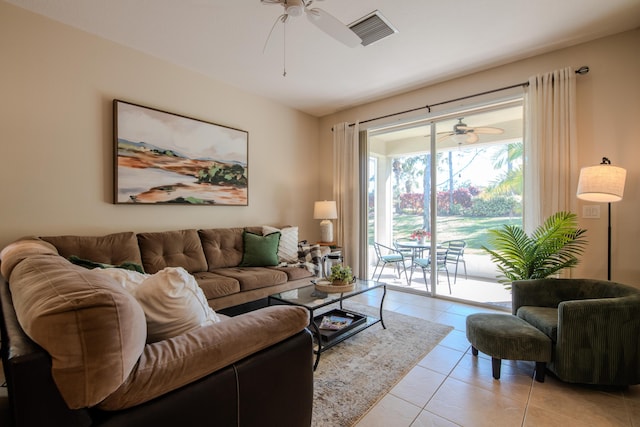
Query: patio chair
{"points": [[409, 254], [387, 255], [455, 255], [425, 264]]}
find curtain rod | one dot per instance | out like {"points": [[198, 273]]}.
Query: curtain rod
{"points": [[582, 70]]}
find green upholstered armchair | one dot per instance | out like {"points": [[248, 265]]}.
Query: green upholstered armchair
{"points": [[594, 326]]}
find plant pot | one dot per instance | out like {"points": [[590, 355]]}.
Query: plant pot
{"points": [[336, 287]]}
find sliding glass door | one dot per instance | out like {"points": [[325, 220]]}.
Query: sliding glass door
{"points": [[451, 178]]}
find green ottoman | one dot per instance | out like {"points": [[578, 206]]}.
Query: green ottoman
{"points": [[504, 336]]}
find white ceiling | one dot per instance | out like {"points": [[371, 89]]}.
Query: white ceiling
{"points": [[437, 40]]}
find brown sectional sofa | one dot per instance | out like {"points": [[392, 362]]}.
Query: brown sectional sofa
{"points": [[212, 256], [74, 347]]}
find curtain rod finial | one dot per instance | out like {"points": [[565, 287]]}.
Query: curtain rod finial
{"points": [[582, 70]]}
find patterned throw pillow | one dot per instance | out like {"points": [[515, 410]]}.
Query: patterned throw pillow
{"points": [[311, 255], [288, 246]]}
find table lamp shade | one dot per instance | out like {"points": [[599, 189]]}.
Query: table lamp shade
{"points": [[326, 211], [602, 183]]}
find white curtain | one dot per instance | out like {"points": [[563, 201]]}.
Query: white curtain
{"points": [[550, 162], [346, 175]]}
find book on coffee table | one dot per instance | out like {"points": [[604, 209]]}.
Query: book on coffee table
{"points": [[335, 323]]}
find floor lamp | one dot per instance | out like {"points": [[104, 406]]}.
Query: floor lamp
{"points": [[602, 183]]}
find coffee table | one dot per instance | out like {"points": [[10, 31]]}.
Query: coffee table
{"points": [[313, 300]]}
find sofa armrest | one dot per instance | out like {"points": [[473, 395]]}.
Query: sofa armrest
{"points": [[599, 339], [34, 399], [167, 365]]}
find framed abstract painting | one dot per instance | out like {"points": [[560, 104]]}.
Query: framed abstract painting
{"points": [[162, 158]]}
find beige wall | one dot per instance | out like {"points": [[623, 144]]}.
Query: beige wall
{"points": [[57, 85], [608, 115]]}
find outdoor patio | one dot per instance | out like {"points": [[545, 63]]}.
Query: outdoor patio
{"points": [[480, 286]]}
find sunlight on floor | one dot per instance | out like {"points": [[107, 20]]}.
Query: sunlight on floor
{"points": [[475, 290]]}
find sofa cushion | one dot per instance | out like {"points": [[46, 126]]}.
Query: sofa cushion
{"points": [[222, 247], [115, 248], [93, 329], [543, 318], [260, 251], [288, 246], [173, 304], [170, 364], [216, 286], [254, 277], [296, 272], [180, 248]]}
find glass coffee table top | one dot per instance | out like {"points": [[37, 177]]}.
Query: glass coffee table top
{"points": [[310, 298]]}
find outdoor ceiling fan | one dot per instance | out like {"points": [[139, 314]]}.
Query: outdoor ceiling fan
{"points": [[318, 17], [463, 134]]}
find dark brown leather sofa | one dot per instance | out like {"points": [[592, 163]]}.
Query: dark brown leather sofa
{"points": [[254, 369], [273, 387]]}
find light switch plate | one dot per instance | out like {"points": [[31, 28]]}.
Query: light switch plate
{"points": [[591, 211]]}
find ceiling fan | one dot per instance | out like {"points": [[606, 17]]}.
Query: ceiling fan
{"points": [[318, 17], [463, 134]]}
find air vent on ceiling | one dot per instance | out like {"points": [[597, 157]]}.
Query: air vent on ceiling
{"points": [[372, 28]]}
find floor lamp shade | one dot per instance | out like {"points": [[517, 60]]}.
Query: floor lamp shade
{"points": [[326, 211], [602, 184]]}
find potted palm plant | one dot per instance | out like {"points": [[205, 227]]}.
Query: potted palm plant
{"points": [[553, 246]]}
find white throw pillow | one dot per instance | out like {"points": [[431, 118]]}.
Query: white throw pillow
{"points": [[128, 279], [288, 247], [173, 304]]}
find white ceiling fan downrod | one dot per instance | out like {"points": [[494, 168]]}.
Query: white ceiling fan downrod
{"points": [[284, 49]]}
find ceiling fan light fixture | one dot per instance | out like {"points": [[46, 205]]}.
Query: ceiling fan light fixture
{"points": [[295, 10], [459, 138]]}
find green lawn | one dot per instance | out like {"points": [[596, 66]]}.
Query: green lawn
{"points": [[471, 230]]}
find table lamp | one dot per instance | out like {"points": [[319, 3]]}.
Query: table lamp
{"points": [[602, 183], [326, 211]]}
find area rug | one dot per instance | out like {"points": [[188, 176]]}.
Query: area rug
{"points": [[355, 374]]}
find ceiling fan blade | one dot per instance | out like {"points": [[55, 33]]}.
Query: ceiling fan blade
{"points": [[472, 137], [444, 135], [488, 130], [333, 27]]}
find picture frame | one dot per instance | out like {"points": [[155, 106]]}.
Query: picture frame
{"points": [[168, 158]]}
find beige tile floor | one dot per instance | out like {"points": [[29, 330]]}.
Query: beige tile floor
{"points": [[450, 387]]}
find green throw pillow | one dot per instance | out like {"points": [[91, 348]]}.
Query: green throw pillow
{"points": [[260, 251], [127, 265]]}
